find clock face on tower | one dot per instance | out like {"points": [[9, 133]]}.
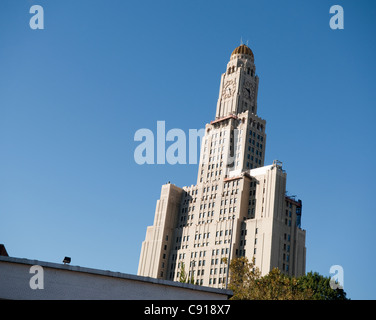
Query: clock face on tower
{"points": [[228, 89], [248, 90]]}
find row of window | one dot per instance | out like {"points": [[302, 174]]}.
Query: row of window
{"points": [[190, 193], [253, 134], [240, 252], [192, 263], [214, 271], [225, 240], [258, 153], [250, 165], [249, 70], [257, 144], [194, 254], [225, 201], [212, 281], [196, 245], [199, 236], [207, 189], [227, 193], [220, 233], [230, 210], [259, 126]]}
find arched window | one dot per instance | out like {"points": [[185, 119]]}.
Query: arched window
{"points": [[252, 73]]}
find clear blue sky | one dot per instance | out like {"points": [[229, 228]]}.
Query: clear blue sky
{"points": [[73, 95]]}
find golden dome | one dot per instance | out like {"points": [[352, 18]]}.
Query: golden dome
{"points": [[243, 49]]}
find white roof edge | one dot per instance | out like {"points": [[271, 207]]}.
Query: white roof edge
{"points": [[120, 275]]}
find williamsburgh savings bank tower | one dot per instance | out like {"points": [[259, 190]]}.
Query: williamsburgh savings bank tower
{"points": [[238, 208]]}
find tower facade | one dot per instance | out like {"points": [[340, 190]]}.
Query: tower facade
{"points": [[238, 207]]}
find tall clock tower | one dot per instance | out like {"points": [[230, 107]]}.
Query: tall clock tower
{"points": [[235, 140], [238, 208], [239, 84]]}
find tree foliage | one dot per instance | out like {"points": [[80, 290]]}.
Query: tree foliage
{"points": [[247, 283], [320, 287], [183, 277], [243, 279]]}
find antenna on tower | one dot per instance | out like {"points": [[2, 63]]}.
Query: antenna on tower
{"points": [[241, 40]]}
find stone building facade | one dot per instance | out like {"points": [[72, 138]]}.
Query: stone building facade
{"points": [[238, 207]]}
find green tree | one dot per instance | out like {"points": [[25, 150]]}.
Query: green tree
{"points": [[278, 286], [320, 287], [183, 277], [247, 284], [243, 279]]}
